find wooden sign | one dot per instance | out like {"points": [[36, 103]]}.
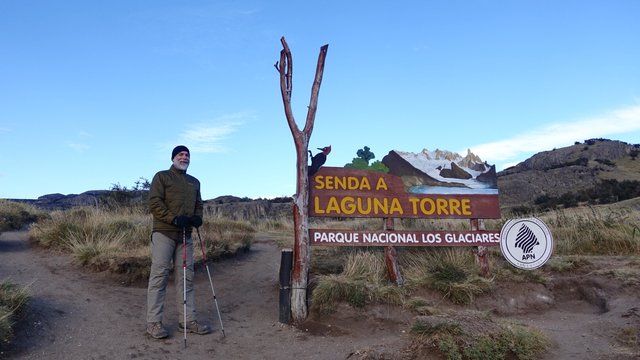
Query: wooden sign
{"points": [[344, 192]]}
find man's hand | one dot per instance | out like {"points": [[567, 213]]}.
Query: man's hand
{"points": [[196, 221], [181, 221]]}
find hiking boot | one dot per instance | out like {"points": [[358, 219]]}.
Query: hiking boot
{"points": [[156, 330], [196, 328]]}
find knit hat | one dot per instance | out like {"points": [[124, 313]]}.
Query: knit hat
{"points": [[178, 149]]}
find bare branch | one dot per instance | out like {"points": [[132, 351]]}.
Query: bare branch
{"points": [[286, 74], [315, 91]]}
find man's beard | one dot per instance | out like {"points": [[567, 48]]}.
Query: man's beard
{"points": [[180, 165]]}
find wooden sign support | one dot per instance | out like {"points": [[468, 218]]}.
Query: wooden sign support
{"points": [[481, 251], [390, 257], [286, 261]]}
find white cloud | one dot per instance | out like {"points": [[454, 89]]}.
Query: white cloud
{"points": [[510, 151], [78, 147], [209, 137], [84, 134]]}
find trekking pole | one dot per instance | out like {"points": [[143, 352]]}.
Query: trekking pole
{"points": [[206, 265], [184, 284]]}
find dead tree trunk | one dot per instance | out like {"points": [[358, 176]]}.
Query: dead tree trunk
{"points": [[301, 248]]}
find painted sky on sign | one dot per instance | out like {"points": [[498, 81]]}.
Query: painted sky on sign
{"points": [[97, 93]]}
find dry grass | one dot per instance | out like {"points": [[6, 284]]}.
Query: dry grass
{"points": [[595, 231], [629, 276], [450, 271], [628, 339], [222, 238], [363, 281], [14, 301], [117, 240], [15, 215], [88, 227], [474, 335]]}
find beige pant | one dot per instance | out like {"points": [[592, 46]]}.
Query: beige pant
{"points": [[167, 254]]}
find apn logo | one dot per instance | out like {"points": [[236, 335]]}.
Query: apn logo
{"points": [[526, 240], [526, 243]]}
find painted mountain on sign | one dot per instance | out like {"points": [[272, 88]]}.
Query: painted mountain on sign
{"points": [[442, 172]]}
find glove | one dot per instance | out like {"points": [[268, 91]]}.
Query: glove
{"points": [[181, 221], [196, 221]]}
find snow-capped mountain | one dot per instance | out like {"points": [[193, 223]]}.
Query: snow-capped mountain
{"points": [[441, 168]]}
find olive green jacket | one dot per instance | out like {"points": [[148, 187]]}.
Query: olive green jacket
{"points": [[173, 193]]}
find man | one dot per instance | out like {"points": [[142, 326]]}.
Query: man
{"points": [[176, 205]]}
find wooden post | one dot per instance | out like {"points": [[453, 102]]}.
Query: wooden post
{"points": [[301, 248], [286, 260], [390, 257], [481, 251]]}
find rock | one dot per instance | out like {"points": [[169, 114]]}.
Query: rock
{"points": [[456, 172]]}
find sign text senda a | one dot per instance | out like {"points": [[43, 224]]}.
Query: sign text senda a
{"points": [[343, 192]]}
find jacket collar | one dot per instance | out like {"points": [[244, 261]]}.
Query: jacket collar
{"points": [[176, 170]]}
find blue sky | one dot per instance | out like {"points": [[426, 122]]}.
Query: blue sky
{"points": [[96, 93]]}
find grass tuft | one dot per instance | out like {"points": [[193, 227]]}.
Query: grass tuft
{"points": [[450, 271], [472, 335], [14, 301], [363, 281]]}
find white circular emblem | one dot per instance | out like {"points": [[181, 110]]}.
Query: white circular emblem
{"points": [[526, 243]]}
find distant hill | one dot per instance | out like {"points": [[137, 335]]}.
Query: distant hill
{"points": [[571, 173], [596, 171]]}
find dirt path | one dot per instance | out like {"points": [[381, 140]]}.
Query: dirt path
{"points": [[79, 315]]}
